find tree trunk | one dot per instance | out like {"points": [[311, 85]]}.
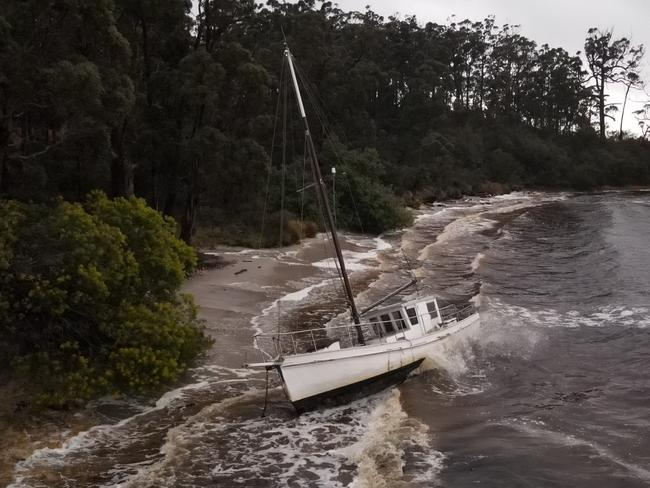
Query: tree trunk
{"points": [[627, 92], [601, 107], [189, 218], [5, 132], [482, 87], [146, 60], [121, 168], [170, 197], [80, 186], [4, 173], [155, 191], [189, 215]]}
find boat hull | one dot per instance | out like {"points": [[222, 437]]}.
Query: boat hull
{"points": [[348, 393], [333, 377]]}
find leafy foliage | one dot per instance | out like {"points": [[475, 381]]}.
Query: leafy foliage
{"points": [[90, 299], [368, 204]]}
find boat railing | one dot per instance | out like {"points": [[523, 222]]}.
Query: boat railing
{"points": [[291, 343], [452, 312]]}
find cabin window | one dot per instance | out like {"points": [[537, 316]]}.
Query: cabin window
{"points": [[388, 325], [431, 307], [413, 316], [399, 320], [376, 327]]}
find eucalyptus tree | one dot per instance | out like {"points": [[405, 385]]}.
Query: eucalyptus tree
{"points": [[225, 93], [463, 42], [609, 60], [513, 58], [64, 94], [642, 116], [631, 80], [556, 96], [483, 51]]}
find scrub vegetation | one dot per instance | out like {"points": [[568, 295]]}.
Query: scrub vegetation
{"points": [[89, 301]]}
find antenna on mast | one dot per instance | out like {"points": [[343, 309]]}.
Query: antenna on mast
{"points": [[334, 194], [286, 45]]}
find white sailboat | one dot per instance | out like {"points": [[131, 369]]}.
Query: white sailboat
{"points": [[334, 365]]}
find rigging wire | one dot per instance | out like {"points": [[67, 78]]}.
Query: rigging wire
{"points": [[284, 160], [335, 276], [302, 192], [314, 105], [314, 100], [328, 245], [409, 265], [270, 163], [324, 124], [334, 271], [317, 104]]}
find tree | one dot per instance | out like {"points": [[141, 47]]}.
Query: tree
{"points": [[632, 80], [643, 118], [64, 94], [609, 61]]}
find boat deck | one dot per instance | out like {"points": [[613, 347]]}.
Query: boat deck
{"points": [[386, 325]]}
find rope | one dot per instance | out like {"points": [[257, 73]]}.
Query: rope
{"points": [[302, 191]]}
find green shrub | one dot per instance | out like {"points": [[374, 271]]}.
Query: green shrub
{"points": [[364, 203], [247, 235], [89, 298]]}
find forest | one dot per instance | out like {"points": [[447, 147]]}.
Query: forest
{"points": [[174, 109], [151, 98]]}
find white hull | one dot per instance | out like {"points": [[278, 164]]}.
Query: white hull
{"points": [[313, 376]]}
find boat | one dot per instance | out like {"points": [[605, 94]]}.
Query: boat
{"points": [[381, 345]]}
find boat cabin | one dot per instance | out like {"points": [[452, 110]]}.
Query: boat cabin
{"points": [[403, 320]]}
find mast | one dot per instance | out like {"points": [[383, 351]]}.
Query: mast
{"points": [[322, 196]]}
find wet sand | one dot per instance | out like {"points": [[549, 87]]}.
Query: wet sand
{"points": [[230, 297]]}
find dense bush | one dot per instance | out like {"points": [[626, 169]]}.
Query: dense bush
{"points": [[89, 301], [364, 203], [247, 234]]}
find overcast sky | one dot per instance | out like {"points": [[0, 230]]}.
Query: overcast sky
{"points": [[559, 23]]}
